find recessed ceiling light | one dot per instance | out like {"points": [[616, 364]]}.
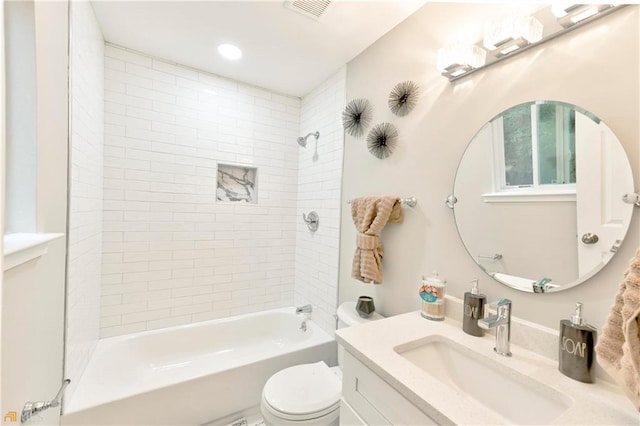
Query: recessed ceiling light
{"points": [[229, 51]]}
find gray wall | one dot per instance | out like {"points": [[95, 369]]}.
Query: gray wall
{"points": [[595, 67]]}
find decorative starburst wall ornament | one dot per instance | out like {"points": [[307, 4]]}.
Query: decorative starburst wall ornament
{"points": [[403, 97], [356, 116], [382, 140]]}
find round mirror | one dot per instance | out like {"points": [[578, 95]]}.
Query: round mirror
{"points": [[539, 196]]}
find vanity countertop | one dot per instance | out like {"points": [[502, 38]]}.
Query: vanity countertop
{"points": [[373, 344]]}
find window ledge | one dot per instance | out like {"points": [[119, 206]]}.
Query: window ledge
{"points": [[528, 196], [20, 248]]}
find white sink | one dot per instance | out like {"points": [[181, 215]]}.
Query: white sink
{"points": [[510, 394]]}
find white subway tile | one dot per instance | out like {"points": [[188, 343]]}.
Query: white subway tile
{"points": [[122, 330], [175, 70], [114, 64], [146, 256], [192, 291], [146, 276], [149, 135], [127, 78], [147, 315], [169, 283], [124, 289], [168, 322], [145, 296], [122, 309], [115, 299], [115, 52], [171, 303], [191, 309], [164, 178], [147, 72], [147, 114], [149, 94], [125, 99]]}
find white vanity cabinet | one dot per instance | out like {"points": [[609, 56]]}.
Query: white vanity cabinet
{"points": [[369, 400]]}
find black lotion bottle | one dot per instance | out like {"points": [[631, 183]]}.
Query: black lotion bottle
{"points": [[577, 340], [473, 310]]}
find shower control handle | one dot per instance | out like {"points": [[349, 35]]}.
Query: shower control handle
{"points": [[312, 221], [30, 409]]}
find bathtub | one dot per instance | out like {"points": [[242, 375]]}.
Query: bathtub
{"points": [[195, 373]]}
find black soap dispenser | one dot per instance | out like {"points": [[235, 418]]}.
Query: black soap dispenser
{"points": [[473, 310], [577, 340]]}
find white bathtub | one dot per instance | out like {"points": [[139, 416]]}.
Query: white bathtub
{"points": [[192, 374]]}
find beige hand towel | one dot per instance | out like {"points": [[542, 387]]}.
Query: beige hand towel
{"points": [[618, 349], [370, 215]]}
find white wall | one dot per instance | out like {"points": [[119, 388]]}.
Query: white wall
{"points": [[85, 201], [595, 67], [3, 165], [33, 293], [21, 114], [319, 181], [172, 254]]}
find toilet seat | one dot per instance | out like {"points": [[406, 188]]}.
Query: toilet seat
{"points": [[302, 392]]}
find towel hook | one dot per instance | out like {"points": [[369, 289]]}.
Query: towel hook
{"points": [[312, 221]]}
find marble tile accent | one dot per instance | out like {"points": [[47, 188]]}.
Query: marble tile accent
{"points": [[236, 184]]}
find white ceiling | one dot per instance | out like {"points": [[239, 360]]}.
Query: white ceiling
{"points": [[283, 50]]}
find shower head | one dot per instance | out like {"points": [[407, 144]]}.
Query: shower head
{"points": [[302, 141]]}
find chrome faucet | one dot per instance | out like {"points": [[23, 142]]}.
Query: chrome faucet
{"points": [[304, 309], [502, 323], [540, 286]]}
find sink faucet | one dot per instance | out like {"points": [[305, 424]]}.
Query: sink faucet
{"points": [[502, 323], [304, 309], [540, 286]]}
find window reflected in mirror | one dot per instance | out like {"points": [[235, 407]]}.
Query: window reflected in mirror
{"points": [[535, 147]]}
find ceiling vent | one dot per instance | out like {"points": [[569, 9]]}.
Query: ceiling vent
{"points": [[309, 8]]}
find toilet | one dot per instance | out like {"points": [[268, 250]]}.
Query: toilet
{"points": [[309, 393]]}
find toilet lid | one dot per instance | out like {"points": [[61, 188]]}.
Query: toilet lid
{"points": [[303, 389]]}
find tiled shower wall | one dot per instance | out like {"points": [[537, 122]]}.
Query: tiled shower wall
{"points": [[172, 253], [85, 192], [319, 183]]}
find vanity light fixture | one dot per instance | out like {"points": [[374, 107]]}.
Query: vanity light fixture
{"points": [[516, 34], [570, 14], [511, 33], [459, 58], [230, 52]]}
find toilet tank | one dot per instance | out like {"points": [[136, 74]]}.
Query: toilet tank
{"points": [[347, 317]]}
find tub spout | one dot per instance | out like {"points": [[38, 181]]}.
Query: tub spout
{"points": [[304, 309]]}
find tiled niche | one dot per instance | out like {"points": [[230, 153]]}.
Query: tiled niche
{"points": [[236, 184]]}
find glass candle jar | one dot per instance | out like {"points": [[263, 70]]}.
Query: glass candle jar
{"points": [[432, 293]]}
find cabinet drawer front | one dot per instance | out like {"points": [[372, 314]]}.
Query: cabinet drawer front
{"points": [[348, 416], [374, 400]]}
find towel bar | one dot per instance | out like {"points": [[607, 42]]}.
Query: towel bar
{"points": [[410, 201], [496, 256]]}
